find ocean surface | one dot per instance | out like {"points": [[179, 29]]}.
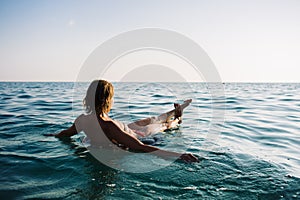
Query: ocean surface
{"points": [[253, 152]]}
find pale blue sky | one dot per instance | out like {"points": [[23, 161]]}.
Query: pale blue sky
{"points": [[255, 40]]}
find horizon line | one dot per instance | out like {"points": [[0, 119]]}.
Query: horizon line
{"points": [[69, 81]]}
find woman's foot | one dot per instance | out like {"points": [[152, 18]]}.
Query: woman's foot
{"points": [[179, 110]]}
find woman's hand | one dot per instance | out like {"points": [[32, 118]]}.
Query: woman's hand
{"points": [[187, 157]]}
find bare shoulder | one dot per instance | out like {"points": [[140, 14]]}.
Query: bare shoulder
{"points": [[81, 122], [111, 124], [80, 118]]}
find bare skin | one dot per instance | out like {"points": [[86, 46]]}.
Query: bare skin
{"points": [[112, 131], [152, 125]]}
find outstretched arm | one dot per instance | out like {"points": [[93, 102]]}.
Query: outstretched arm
{"points": [[65, 133], [117, 135], [68, 132], [72, 130]]}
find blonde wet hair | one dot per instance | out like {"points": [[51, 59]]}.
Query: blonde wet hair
{"points": [[99, 97]]}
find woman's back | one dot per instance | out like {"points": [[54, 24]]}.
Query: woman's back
{"points": [[94, 129]]}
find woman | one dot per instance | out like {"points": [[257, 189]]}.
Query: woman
{"points": [[102, 130]]}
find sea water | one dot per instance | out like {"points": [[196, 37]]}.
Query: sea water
{"points": [[254, 154]]}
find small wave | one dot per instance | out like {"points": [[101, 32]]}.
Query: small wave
{"points": [[6, 116], [40, 103], [17, 108], [160, 96], [25, 96], [5, 98], [7, 123]]}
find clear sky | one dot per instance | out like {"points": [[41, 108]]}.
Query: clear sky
{"points": [[257, 40]]}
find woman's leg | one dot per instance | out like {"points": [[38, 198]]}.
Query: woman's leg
{"points": [[163, 118], [176, 112]]}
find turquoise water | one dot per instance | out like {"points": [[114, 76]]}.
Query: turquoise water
{"points": [[255, 155]]}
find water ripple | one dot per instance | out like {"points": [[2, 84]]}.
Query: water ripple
{"points": [[255, 155]]}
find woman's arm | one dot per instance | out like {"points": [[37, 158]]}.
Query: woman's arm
{"points": [[65, 133], [68, 132], [72, 130], [121, 137]]}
